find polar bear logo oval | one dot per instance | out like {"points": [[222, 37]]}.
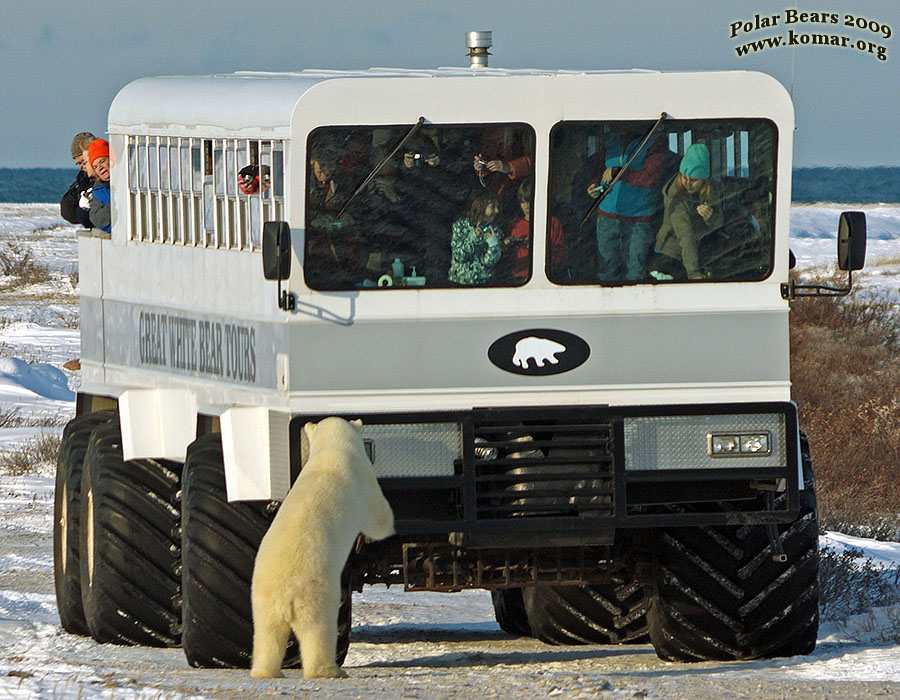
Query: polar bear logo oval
{"points": [[541, 350], [538, 352]]}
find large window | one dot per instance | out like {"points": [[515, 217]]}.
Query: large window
{"points": [[204, 192], [695, 202], [434, 206]]}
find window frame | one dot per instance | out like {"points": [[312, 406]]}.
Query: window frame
{"points": [[683, 143], [199, 204], [529, 134]]}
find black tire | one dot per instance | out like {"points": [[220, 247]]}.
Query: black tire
{"points": [[718, 593], [66, 519], [509, 610], [219, 545], [130, 544], [614, 613]]}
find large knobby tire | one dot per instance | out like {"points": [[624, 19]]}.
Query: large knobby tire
{"points": [[611, 613], [718, 593], [66, 519], [510, 613], [130, 544], [219, 545]]}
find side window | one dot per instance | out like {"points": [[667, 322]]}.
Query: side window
{"points": [[692, 203], [438, 206], [193, 191]]}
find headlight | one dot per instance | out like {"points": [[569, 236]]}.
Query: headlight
{"points": [[705, 441], [739, 445]]}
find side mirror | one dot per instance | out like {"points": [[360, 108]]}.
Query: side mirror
{"points": [[276, 250], [851, 250], [851, 241]]}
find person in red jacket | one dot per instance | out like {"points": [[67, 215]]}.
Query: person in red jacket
{"points": [[518, 243], [628, 216]]}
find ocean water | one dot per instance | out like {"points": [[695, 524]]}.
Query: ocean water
{"points": [[810, 185], [847, 185], [21, 185]]}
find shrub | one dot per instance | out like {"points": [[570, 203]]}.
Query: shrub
{"points": [[17, 260], [850, 585], [37, 456], [846, 383]]}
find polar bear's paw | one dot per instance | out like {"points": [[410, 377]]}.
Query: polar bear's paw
{"points": [[334, 671], [265, 673]]}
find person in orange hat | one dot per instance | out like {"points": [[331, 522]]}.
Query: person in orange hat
{"points": [[98, 159]]}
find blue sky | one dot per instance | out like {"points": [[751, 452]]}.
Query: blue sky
{"points": [[63, 62]]}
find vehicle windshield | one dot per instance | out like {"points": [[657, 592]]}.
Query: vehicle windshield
{"points": [[451, 208], [695, 204]]}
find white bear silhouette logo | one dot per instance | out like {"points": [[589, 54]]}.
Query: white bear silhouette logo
{"points": [[541, 350]]}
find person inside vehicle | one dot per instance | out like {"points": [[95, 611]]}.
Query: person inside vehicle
{"points": [[517, 246], [74, 206], [628, 214], [324, 183], [98, 158], [504, 157], [691, 211], [253, 179], [475, 244]]}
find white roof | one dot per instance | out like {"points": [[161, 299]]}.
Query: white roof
{"points": [[231, 103]]}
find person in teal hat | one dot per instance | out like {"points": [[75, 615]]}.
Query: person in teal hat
{"points": [[691, 211]]}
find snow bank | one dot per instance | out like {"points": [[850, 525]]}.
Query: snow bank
{"points": [[42, 379]]}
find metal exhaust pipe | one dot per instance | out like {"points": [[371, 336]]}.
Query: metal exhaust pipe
{"points": [[478, 44]]}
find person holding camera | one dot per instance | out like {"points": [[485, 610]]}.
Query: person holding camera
{"points": [[476, 243], [74, 206]]}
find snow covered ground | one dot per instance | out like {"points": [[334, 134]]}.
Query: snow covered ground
{"points": [[416, 645]]}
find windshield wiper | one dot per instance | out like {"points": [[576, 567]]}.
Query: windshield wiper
{"points": [[606, 191], [380, 165]]}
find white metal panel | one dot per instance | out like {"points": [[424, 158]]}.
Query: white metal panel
{"points": [[256, 451], [90, 279], [157, 423]]}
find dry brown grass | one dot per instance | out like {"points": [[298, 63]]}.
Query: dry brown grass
{"points": [[35, 456], [845, 369], [17, 261]]}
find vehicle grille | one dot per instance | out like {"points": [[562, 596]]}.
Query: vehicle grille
{"points": [[532, 468]]}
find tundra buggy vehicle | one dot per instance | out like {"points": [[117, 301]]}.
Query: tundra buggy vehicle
{"points": [[562, 408]]}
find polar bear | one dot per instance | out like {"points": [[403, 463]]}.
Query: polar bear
{"points": [[296, 577], [541, 350]]}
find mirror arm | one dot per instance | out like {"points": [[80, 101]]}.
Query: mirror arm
{"points": [[792, 290], [286, 300]]}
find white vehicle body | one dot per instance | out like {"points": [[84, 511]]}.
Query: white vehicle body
{"points": [[176, 328]]}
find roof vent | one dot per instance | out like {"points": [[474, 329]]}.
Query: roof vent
{"points": [[478, 44]]}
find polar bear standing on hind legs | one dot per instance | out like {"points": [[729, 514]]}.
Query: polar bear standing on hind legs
{"points": [[296, 578]]}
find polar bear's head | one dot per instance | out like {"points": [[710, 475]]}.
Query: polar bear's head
{"points": [[333, 431]]}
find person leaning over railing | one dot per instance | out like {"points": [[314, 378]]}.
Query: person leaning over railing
{"points": [[98, 158], [75, 203]]}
